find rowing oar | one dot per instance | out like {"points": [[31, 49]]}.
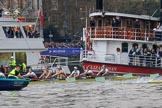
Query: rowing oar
{"points": [[126, 76], [153, 76], [71, 79], [100, 79]]}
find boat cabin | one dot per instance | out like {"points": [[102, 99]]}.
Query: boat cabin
{"points": [[20, 40]]}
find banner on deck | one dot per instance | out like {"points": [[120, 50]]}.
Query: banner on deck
{"points": [[61, 51]]}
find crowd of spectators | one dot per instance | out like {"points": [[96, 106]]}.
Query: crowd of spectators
{"points": [[145, 56], [15, 32], [73, 44]]}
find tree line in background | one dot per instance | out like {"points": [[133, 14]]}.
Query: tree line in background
{"points": [[144, 7], [67, 22]]}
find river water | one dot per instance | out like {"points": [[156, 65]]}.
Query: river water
{"points": [[108, 94]]}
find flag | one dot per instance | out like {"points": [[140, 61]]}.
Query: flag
{"points": [[41, 18]]}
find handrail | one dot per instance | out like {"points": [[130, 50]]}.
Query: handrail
{"points": [[123, 33], [148, 61]]}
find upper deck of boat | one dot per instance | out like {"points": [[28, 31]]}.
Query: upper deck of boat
{"points": [[127, 28], [15, 34]]}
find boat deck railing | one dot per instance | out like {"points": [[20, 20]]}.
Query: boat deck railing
{"points": [[124, 33], [144, 61], [51, 61]]}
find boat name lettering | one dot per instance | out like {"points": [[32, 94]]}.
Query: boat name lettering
{"points": [[18, 83], [112, 68], [99, 67]]}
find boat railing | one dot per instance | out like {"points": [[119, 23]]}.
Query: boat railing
{"points": [[145, 61], [124, 33], [52, 61], [90, 55], [138, 60]]}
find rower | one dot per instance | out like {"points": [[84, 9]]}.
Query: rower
{"points": [[75, 73], [87, 72], [103, 71]]}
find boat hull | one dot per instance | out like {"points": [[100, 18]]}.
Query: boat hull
{"points": [[13, 84], [118, 68]]}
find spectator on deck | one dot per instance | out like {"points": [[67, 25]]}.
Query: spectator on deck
{"points": [[146, 54], [92, 22], [131, 55], [75, 73], [141, 56], [158, 55], [137, 24], [103, 71]]}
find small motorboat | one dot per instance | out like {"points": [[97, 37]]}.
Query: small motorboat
{"points": [[7, 84]]}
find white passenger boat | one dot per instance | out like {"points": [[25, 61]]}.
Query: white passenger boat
{"points": [[109, 43], [18, 40]]}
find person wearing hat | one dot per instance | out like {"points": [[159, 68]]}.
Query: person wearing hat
{"points": [[87, 72], [103, 71], [15, 73], [75, 73], [12, 63], [59, 73]]}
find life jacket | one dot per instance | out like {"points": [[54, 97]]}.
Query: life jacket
{"points": [[14, 73], [23, 67], [12, 62]]}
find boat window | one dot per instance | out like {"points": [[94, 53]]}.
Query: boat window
{"points": [[124, 47], [20, 57], [12, 32], [5, 58], [29, 31]]}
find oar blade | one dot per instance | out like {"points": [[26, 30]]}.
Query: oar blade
{"points": [[100, 79], [72, 79], [154, 75], [128, 75]]}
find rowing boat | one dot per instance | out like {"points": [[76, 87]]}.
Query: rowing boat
{"points": [[7, 84]]}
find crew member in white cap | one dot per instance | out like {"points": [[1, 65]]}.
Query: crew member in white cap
{"points": [[75, 73]]}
